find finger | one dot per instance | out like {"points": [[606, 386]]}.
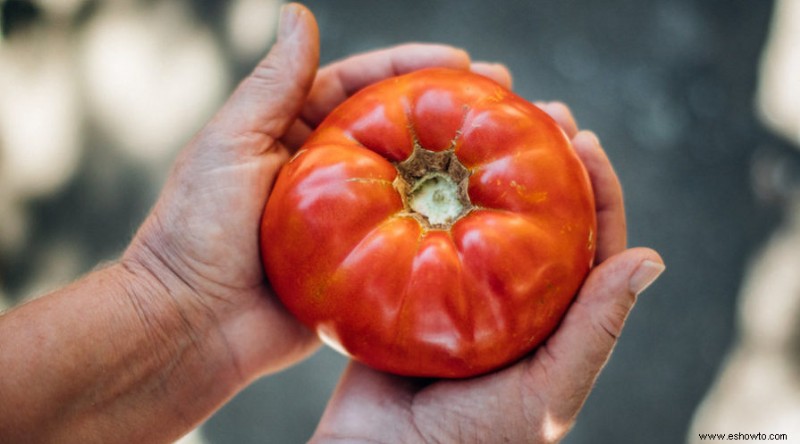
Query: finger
{"points": [[573, 357], [611, 225], [495, 71], [296, 135], [338, 81], [267, 102], [562, 115]]}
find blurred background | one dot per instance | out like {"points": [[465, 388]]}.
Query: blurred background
{"points": [[96, 98]]}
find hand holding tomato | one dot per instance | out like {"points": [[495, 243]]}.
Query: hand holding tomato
{"points": [[186, 319], [201, 242]]}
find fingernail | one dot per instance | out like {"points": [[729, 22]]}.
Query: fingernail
{"points": [[286, 24], [645, 275]]}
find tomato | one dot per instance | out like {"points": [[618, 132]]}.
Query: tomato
{"points": [[435, 224]]}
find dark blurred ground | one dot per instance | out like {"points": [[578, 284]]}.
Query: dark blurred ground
{"points": [[668, 85]]}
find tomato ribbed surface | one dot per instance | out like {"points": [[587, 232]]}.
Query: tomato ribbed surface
{"points": [[346, 258]]}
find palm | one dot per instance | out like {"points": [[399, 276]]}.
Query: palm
{"points": [[448, 411], [214, 201]]}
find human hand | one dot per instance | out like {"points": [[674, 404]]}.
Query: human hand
{"points": [[200, 242], [537, 399], [144, 349]]}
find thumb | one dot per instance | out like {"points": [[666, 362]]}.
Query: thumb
{"points": [[271, 97], [580, 347]]}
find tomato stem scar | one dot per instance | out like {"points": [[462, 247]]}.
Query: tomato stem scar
{"points": [[433, 186]]}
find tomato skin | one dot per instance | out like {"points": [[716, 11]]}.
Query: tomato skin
{"points": [[345, 258]]}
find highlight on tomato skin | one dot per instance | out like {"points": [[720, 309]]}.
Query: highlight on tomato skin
{"points": [[435, 224]]}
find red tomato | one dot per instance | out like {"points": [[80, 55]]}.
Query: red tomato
{"points": [[435, 224]]}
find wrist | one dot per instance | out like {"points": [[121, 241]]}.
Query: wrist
{"points": [[183, 328], [109, 356]]}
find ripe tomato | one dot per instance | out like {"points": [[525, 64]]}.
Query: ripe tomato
{"points": [[435, 224]]}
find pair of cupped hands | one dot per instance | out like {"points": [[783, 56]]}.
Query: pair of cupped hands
{"points": [[200, 244]]}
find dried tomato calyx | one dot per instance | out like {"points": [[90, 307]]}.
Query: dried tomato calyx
{"points": [[433, 185]]}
